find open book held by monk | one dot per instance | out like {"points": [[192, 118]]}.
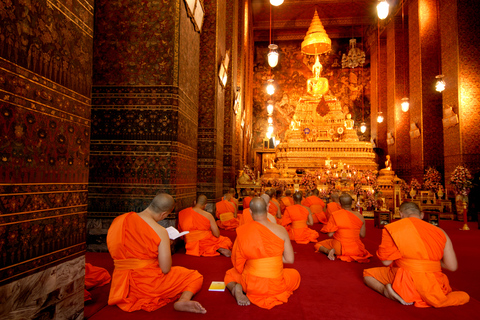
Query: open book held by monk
{"points": [[226, 213], [415, 252]]}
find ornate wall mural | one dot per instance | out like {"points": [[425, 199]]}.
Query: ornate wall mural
{"points": [[350, 86]]}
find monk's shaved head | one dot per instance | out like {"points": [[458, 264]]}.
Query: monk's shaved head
{"points": [[288, 192], [297, 197], [252, 193], [316, 192], [227, 196], [258, 206], [346, 200], [202, 200], [410, 208], [231, 191], [265, 198], [161, 203], [335, 197], [279, 193]]}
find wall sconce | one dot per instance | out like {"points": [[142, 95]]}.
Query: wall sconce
{"points": [[405, 104], [440, 85], [270, 87], [382, 9]]}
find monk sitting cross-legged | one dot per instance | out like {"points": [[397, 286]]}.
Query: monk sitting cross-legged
{"points": [[247, 199], [259, 252], [226, 213], [296, 219], [286, 201], [274, 205], [143, 277], [414, 252], [316, 205], [333, 205], [204, 238], [346, 227]]}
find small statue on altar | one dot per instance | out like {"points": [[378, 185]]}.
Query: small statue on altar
{"points": [[328, 163], [341, 165], [349, 122], [388, 163], [317, 86]]}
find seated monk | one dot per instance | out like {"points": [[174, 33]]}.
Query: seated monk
{"points": [[296, 219], [226, 213], [274, 207], [346, 227], [317, 206], [204, 238], [418, 251], [247, 199], [333, 205], [286, 201], [94, 277], [260, 250], [233, 200], [143, 277]]}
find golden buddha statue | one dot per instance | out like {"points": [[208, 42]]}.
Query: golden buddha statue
{"points": [[349, 122], [317, 86]]}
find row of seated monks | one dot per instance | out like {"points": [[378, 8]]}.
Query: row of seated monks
{"points": [[412, 250]]}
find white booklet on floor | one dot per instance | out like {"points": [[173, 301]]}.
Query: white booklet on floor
{"points": [[174, 234]]}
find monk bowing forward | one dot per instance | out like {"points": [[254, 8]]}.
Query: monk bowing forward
{"points": [[204, 238], [414, 252], [346, 227], [259, 252], [143, 277]]}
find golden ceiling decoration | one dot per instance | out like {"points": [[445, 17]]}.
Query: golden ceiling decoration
{"points": [[316, 41]]}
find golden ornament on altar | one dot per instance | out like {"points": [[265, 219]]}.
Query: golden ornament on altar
{"points": [[316, 41]]}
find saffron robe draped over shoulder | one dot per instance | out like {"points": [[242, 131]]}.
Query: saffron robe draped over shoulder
{"points": [[295, 221], [94, 277], [246, 202], [316, 205], [346, 226], [257, 265], [137, 281], [331, 208], [200, 241], [285, 202], [225, 213], [416, 275]]}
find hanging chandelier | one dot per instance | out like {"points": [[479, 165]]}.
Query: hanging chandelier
{"points": [[273, 55], [355, 57]]}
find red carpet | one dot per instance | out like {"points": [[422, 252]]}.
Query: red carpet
{"points": [[329, 289]]}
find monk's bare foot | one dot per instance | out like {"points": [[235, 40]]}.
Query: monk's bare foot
{"points": [[189, 306], [241, 298], [391, 294], [331, 254], [227, 253]]}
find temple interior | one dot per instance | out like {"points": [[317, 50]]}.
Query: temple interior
{"points": [[105, 103]]}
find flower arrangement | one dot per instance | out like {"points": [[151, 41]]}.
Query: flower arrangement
{"points": [[431, 179], [309, 181], [249, 172], [278, 184], [461, 179], [415, 185], [368, 198], [404, 187]]}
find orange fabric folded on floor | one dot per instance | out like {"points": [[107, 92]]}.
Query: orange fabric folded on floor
{"points": [[200, 241], [130, 238], [222, 207], [300, 235], [255, 241], [417, 248], [346, 226], [94, 277]]}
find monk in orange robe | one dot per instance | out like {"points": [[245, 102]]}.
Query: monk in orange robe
{"points": [[247, 199], [274, 205], [204, 238], [94, 277], [317, 206], [286, 201], [296, 219], [333, 205], [233, 200], [260, 250], [227, 213], [414, 252], [144, 277], [346, 227]]}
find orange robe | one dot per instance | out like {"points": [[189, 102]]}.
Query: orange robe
{"points": [[200, 241], [225, 213], [331, 208], [246, 217], [346, 226], [94, 277], [295, 221], [416, 274], [316, 205], [137, 281], [285, 202], [246, 202], [258, 267]]}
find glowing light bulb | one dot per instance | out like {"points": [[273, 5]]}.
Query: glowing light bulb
{"points": [[363, 127], [273, 55], [382, 9], [380, 117], [269, 135], [270, 129], [440, 85], [405, 104], [276, 3], [270, 107], [270, 87]]}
